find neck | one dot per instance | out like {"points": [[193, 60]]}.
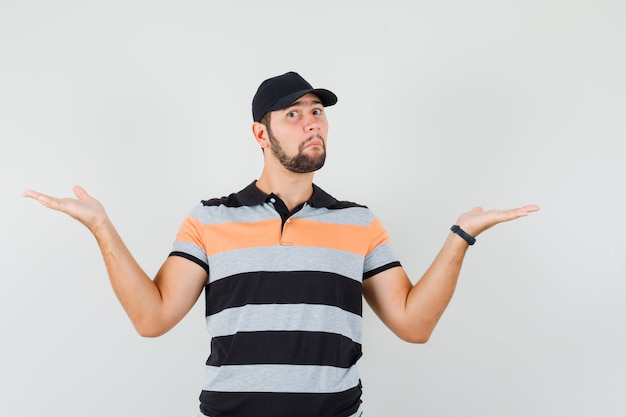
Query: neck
{"points": [[293, 188]]}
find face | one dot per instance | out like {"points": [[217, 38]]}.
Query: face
{"points": [[297, 135]]}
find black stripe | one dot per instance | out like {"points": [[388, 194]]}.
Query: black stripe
{"points": [[344, 205], [284, 348], [321, 198], [255, 404], [191, 258], [230, 201], [249, 196], [375, 271], [252, 196], [294, 287]]}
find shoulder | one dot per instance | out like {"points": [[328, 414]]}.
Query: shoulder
{"points": [[243, 206]]}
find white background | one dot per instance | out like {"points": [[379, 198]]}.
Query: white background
{"points": [[442, 106]]}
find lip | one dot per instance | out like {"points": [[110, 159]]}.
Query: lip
{"points": [[315, 142]]}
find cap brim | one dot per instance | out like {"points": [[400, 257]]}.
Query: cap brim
{"points": [[327, 97]]}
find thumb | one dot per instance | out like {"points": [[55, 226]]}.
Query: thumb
{"points": [[80, 192]]}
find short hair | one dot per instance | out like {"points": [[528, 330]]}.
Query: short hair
{"points": [[265, 120]]}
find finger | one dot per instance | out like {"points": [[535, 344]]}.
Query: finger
{"points": [[64, 205], [526, 210], [30, 194], [519, 212], [531, 208], [42, 198]]}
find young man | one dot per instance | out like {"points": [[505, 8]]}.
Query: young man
{"points": [[284, 266]]}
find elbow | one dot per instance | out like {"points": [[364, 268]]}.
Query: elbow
{"points": [[418, 338], [149, 333], [150, 330], [415, 334]]}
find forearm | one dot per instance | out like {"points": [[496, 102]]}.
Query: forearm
{"points": [[430, 296], [412, 311], [138, 294]]}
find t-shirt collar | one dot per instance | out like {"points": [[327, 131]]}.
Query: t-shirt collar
{"points": [[252, 196]]}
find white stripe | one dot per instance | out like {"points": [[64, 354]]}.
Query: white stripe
{"points": [[285, 317], [280, 378]]}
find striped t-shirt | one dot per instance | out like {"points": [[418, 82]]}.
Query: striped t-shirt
{"points": [[283, 301]]}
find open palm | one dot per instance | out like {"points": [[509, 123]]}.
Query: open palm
{"points": [[83, 208]]}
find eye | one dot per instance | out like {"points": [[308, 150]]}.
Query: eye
{"points": [[292, 114], [317, 112]]}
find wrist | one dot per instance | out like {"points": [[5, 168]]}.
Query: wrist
{"points": [[463, 234], [100, 226]]}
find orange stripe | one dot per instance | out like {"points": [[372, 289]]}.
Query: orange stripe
{"points": [[230, 236], [216, 238], [378, 234], [350, 238]]}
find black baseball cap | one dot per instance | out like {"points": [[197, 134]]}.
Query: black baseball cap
{"points": [[279, 92]]}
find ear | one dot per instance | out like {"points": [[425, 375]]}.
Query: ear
{"points": [[260, 134]]}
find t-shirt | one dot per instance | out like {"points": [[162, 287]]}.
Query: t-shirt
{"points": [[283, 301]]}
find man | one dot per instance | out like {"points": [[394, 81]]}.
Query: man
{"points": [[284, 266]]}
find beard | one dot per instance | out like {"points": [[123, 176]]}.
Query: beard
{"points": [[300, 163]]}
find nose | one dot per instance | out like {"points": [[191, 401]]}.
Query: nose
{"points": [[311, 123]]}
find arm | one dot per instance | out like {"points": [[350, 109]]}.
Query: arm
{"points": [[153, 306], [412, 311]]}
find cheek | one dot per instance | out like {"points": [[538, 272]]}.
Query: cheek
{"points": [[324, 127], [287, 137]]}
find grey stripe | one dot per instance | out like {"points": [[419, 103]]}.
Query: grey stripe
{"points": [[190, 249], [269, 317], [280, 378], [223, 214], [358, 216], [286, 258], [381, 255]]}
